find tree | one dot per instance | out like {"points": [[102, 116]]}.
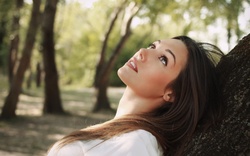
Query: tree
{"points": [[38, 74], [52, 102], [232, 135], [11, 100], [101, 61], [100, 82], [14, 40], [6, 9], [104, 67], [232, 10]]}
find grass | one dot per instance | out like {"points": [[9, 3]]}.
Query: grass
{"points": [[32, 133]]}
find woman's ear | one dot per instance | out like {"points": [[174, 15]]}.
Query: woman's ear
{"points": [[168, 96]]}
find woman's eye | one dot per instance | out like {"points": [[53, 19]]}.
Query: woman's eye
{"points": [[151, 46], [164, 60]]}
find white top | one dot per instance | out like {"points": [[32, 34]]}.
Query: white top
{"points": [[135, 143]]}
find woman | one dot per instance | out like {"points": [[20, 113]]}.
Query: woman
{"points": [[171, 88]]}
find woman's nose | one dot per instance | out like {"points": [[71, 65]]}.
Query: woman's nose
{"points": [[142, 55]]}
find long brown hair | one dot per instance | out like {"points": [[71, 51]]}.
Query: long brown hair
{"points": [[196, 101]]}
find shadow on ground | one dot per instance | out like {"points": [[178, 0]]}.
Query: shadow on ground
{"points": [[32, 133]]}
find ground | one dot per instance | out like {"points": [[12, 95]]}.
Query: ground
{"points": [[32, 133]]}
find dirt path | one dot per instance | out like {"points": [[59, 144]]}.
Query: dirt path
{"points": [[32, 133]]}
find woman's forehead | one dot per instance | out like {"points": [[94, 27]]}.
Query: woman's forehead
{"points": [[178, 48], [174, 43]]}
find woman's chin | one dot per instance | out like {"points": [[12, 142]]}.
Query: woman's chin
{"points": [[121, 75]]}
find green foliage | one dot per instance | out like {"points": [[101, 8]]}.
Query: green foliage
{"points": [[139, 39], [80, 29], [79, 34], [3, 83], [3, 55], [7, 11], [6, 7]]}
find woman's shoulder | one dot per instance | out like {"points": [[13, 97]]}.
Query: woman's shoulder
{"points": [[74, 148], [140, 134], [137, 142], [140, 142]]}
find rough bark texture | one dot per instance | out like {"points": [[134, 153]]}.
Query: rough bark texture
{"points": [[52, 103], [231, 137], [11, 100]]}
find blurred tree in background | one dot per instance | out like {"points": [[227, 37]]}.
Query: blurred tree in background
{"points": [[83, 43], [6, 12], [14, 40], [89, 48], [11, 100], [106, 63], [52, 99]]}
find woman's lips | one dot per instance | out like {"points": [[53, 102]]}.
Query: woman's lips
{"points": [[132, 64]]}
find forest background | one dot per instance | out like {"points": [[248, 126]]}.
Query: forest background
{"points": [[65, 61]]}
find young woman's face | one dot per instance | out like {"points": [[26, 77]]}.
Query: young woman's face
{"points": [[150, 70]]}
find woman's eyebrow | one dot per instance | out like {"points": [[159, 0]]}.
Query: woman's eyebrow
{"points": [[169, 51]]}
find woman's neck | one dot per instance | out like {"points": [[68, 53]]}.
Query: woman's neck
{"points": [[132, 103]]}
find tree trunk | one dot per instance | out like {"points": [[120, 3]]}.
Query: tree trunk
{"points": [[101, 80], [231, 137], [38, 74], [11, 100], [229, 35], [14, 41], [29, 78], [102, 60], [52, 103], [102, 101]]}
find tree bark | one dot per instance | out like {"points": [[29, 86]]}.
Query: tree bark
{"points": [[102, 60], [102, 101], [29, 78], [14, 41], [101, 80], [38, 75], [52, 103], [11, 100], [231, 137]]}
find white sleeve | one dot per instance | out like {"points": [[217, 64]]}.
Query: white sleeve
{"points": [[72, 149], [135, 143], [142, 143]]}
